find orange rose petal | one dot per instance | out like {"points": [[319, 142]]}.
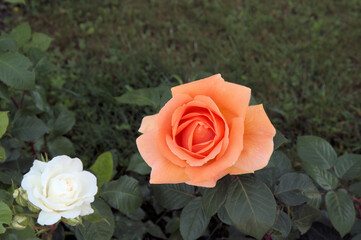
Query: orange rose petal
{"points": [[165, 127], [258, 140], [148, 123], [163, 171], [208, 184], [224, 94], [214, 169]]}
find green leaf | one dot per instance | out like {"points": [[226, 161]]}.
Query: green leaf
{"points": [[60, 146], [103, 168], [357, 237], [341, 210], [138, 165], [173, 196], [282, 226], [4, 122], [40, 41], [14, 71], [128, 229], [292, 187], [5, 216], [304, 216], [29, 128], [4, 93], [21, 34], [2, 154], [144, 96], [222, 214], [323, 177], [154, 230], [316, 150], [193, 221], [251, 206], [278, 140], [64, 122], [214, 198], [16, 1], [278, 165], [7, 43], [356, 188], [348, 166], [172, 225], [102, 230], [123, 194], [6, 197]]}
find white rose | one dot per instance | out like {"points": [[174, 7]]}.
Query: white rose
{"points": [[60, 188]]}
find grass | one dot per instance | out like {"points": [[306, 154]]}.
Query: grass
{"points": [[301, 59]]}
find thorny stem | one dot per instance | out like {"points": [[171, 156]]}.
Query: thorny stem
{"points": [[15, 103], [49, 235]]}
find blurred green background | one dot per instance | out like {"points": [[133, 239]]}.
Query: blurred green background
{"points": [[300, 58]]}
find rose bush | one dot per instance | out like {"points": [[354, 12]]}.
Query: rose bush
{"points": [[206, 131], [60, 188]]}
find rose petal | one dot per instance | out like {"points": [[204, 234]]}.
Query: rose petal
{"points": [[258, 141], [165, 127], [148, 123], [72, 213], [86, 209], [58, 165], [48, 218], [163, 170], [224, 94], [216, 168]]}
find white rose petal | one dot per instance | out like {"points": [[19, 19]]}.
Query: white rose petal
{"points": [[60, 188]]}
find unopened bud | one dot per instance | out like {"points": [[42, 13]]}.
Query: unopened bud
{"points": [[19, 222], [73, 221], [21, 197], [33, 208]]}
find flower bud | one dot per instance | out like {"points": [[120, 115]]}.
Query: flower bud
{"points": [[73, 221], [33, 208], [21, 197], [19, 222]]}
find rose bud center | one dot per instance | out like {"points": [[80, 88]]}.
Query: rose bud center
{"points": [[63, 187]]}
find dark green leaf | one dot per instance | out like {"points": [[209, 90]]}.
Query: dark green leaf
{"points": [[4, 93], [223, 216], [29, 128], [154, 230], [123, 194], [103, 168], [282, 225], [320, 231], [40, 41], [316, 150], [304, 216], [357, 237], [251, 206], [102, 230], [64, 122], [128, 229], [278, 140], [138, 165], [173, 196], [348, 166], [193, 221], [2, 154], [172, 225], [323, 177], [14, 71], [214, 198], [6, 197], [356, 188], [144, 97], [21, 34], [292, 187], [278, 165], [7, 43], [60, 146], [5, 216], [341, 210], [4, 122]]}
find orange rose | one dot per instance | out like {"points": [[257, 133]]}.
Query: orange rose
{"points": [[206, 131]]}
